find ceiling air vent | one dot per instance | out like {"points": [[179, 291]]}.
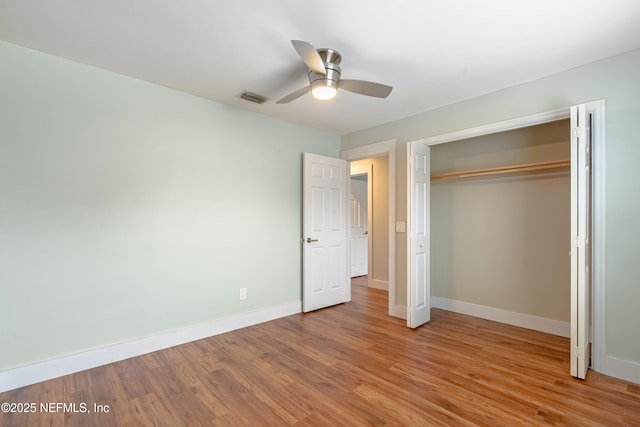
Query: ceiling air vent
{"points": [[253, 97]]}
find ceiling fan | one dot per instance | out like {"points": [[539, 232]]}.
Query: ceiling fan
{"points": [[324, 76]]}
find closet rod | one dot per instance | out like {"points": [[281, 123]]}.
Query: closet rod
{"points": [[529, 167]]}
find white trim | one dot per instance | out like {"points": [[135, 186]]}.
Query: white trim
{"points": [[348, 252], [384, 148], [620, 368], [519, 122], [379, 284], [372, 150], [69, 364], [411, 184], [523, 320], [598, 215]]}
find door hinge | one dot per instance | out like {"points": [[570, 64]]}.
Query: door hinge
{"points": [[579, 242], [578, 132]]}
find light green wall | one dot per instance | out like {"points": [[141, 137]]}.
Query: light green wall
{"points": [[615, 80], [128, 209], [503, 241]]}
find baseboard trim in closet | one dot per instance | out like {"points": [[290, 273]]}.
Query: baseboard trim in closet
{"points": [[522, 320], [620, 368]]}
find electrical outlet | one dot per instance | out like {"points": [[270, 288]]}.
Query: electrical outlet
{"points": [[243, 293]]}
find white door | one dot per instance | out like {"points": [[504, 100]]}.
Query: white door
{"points": [[581, 131], [359, 235], [324, 226], [419, 286]]}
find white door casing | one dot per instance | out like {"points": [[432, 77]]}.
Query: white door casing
{"points": [[580, 240], [419, 289], [324, 224], [358, 228]]}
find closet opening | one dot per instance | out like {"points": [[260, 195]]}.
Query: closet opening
{"points": [[466, 253], [501, 224]]}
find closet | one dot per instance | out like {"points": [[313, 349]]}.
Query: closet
{"points": [[500, 222]]}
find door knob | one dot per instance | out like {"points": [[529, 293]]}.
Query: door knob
{"points": [[366, 232], [310, 240]]}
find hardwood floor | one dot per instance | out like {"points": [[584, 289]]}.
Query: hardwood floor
{"points": [[346, 365]]}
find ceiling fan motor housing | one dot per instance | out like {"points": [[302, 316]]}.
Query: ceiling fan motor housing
{"points": [[331, 58]]}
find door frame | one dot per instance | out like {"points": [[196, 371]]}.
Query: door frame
{"points": [[597, 204], [380, 149], [367, 170]]}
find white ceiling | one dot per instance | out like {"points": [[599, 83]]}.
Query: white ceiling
{"points": [[433, 52]]}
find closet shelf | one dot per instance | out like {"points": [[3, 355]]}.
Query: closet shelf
{"points": [[529, 167]]}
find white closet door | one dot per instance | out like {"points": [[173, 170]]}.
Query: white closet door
{"points": [[419, 286], [580, 240]]}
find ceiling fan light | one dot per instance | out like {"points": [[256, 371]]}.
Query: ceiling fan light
{"points": [[324, 93]]}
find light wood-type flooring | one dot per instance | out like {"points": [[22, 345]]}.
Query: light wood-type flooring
{"points": [[349, 365]]}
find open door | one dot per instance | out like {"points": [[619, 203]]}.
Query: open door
{"points": [[324, 227], [581, 140], [419, 286]]}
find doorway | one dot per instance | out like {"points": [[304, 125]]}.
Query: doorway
{"points": [[385, 263], [370, 220], [360, 218]]}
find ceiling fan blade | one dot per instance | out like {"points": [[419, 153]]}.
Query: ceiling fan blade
{"points": [[295, 95], [366, 88], [309, 55]]}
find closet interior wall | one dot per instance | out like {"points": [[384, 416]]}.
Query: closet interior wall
{"points": [[502, 241]]}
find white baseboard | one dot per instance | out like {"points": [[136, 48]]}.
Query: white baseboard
{"points": [[619, 368], [65, 365], [522, 320], [379, 284], [48, 369]]}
